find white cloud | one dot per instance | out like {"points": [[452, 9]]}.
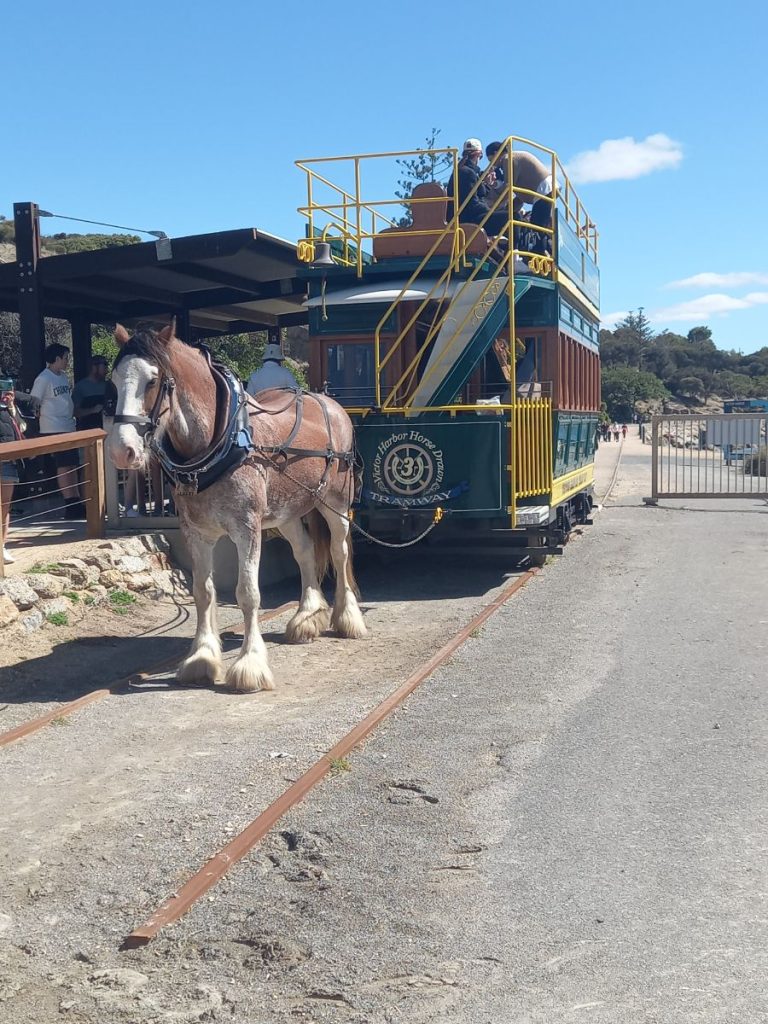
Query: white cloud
{"points": [[608, 320], [735, 279], [714, 304], [621, 159]]}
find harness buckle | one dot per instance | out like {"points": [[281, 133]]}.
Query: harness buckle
{"points": [[186, 484]]}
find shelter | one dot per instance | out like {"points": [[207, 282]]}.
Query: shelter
{"points": [[219, 283]]}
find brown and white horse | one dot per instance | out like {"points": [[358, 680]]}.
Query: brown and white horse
{"points": [[166, 385]]}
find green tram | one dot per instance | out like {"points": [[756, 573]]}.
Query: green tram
{"points": [[469, 364]]}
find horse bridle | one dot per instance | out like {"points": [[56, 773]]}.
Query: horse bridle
{"points": [[166, 386]]}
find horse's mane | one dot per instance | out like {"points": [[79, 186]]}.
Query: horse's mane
{"points": [[147, 344]]}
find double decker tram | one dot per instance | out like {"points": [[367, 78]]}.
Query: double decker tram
{"points": [[468, 361]]}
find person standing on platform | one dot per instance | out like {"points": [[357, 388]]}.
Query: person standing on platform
{"points": [[89, 393], [272, 373], [52, 394]]}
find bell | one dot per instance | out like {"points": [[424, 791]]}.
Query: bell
{"points": [[323, 256]]}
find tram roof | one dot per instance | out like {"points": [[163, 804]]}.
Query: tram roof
{"points": [[228, 281]]}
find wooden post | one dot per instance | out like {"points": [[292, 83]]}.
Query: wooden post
{"points": [[2, 560], [95, 499], [81, 346], [31, 325]]}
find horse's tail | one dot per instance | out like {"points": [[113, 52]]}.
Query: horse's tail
{"points": [[321, 538]]}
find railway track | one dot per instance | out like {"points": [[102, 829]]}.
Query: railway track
{"points": [[219, 862]]}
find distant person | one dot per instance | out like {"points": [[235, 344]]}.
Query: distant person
{"points": [[272, 373], [615, 431], [52, 394], [606, 431], [89, 394], [623, 431], [11, 429]]}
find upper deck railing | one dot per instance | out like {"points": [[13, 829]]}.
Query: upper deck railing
{"points": [[345, 211]]}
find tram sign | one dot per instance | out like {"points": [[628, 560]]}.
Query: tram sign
{"points": [[422, 464]]}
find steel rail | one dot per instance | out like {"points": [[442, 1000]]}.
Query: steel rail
{"points": [[35, 724], [214, 869]]}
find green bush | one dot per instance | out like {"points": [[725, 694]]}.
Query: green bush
{"points": [[755, 465]]}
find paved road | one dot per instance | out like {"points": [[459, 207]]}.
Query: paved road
{"points": [[567, 823]]}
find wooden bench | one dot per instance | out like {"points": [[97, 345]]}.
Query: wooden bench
{"points": [[428, 217]]}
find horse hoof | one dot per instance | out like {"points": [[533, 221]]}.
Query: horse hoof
{"points": [[306, 626], [202, 668], [349, 623], [249, 674]]}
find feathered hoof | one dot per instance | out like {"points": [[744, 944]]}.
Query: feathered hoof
{"points": [[306, 626], [248, 674], [201, 668], [349, 623]]}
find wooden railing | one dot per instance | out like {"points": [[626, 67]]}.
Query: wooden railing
{"points": [[92, 442]]}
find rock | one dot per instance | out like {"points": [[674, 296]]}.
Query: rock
{"points": [[76, 570], [156, 543], [132, 563], [122, 978], [140, 581], [112, 578], [103, 560], [132, 546], [31, 622], [98, 593], [6, 922], [46, 585], [163, 581], [19, 591], [56, 606], [8, 611]]}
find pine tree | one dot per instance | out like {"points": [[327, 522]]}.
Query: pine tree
{"points": [[418, 169]]}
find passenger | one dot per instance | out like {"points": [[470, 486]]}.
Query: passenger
{"points": [[272, 373], [11, 428], [528, 172], [477, 207]]}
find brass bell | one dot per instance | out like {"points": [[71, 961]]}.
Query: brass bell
{"points": [[323, 256]]}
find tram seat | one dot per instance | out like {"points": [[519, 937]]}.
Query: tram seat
{"points": [[427, 217]]}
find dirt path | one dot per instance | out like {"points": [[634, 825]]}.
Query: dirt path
{"points": [[106, 812]]}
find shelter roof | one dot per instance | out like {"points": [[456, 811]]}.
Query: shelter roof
{"points": [[227, 281]]}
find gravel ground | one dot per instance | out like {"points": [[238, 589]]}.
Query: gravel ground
{"points": [[566, 821]]}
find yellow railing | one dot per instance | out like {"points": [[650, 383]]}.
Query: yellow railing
{"points": [[532, 439]]}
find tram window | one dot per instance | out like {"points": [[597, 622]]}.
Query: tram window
{"points": [[350, 374]]}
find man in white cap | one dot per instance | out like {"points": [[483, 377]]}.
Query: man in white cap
{"points": [[475, 209], [272, 373]]}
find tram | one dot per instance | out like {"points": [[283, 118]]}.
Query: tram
{"points": [[469, 363]]}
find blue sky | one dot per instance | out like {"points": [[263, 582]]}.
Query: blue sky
{"points": [[187, 116]]}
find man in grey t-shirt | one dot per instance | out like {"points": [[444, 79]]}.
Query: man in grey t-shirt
{"points": [[52, 394]]}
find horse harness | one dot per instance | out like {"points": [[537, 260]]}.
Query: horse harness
{"points": [[233, 443]]}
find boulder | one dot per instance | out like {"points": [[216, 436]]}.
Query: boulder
{"points": [[46, 585], [8, 611], [76, 570], [103, 560], [31, 621], [55, 606], [162, 580], [111, 578], [132, 563], [139, 581], [131, 546], [19, 591]]}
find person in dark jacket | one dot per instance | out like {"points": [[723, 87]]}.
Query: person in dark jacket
{"points": [[11, 427], [476, 209]]}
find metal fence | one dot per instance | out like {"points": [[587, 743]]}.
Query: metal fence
{"points": [[719, 456], [139, 500]]}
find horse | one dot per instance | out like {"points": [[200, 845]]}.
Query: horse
{"points": [[238, 466]]}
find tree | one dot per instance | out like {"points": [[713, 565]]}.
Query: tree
{"points": [[691, 386], [623, 386], [416, 170]]}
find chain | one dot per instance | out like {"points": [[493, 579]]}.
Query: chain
{"points": [[438, 514]]}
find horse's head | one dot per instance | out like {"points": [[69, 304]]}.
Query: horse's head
{"points": [[139, 368]]}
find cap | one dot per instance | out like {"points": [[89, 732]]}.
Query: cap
{"points": [[273, 352], [473, 146]]}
